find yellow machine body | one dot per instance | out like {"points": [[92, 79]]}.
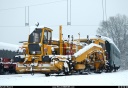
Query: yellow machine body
{"points": [[42, 54]]}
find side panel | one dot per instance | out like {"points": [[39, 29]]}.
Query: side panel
{"points": [[115, 56], [111, 55], [107, 44]]}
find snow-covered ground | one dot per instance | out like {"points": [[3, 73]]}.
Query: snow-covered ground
{"points": [[119, 78]]}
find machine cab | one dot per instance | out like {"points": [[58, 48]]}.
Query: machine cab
{"points": [[38, 39]]}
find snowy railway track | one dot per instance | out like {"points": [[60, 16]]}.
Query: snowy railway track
{"points": [[114, 79], [42, 75]]}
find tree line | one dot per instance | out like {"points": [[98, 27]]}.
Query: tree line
{"points": [[8, 54], [116, 28]]}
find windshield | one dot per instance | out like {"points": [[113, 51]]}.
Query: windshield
{"points": [[47, 37], [35, 36], [34, 49]]}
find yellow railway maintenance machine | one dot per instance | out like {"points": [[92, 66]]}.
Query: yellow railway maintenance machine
{"points": [[61, 56]]}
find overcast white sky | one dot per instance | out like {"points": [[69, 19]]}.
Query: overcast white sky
{"points": [[86, 13]]}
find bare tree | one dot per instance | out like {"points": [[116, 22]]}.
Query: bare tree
{"points": [[116, 28]]}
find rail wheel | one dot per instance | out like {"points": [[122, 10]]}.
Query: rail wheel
{"points": [[115, 68], [47, 74], [66, 72], [109, 69], [1, 72]]}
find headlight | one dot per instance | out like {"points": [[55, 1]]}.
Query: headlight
{"points": [[40, 44], [33, 57], [12, 60], [33, 52]]}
